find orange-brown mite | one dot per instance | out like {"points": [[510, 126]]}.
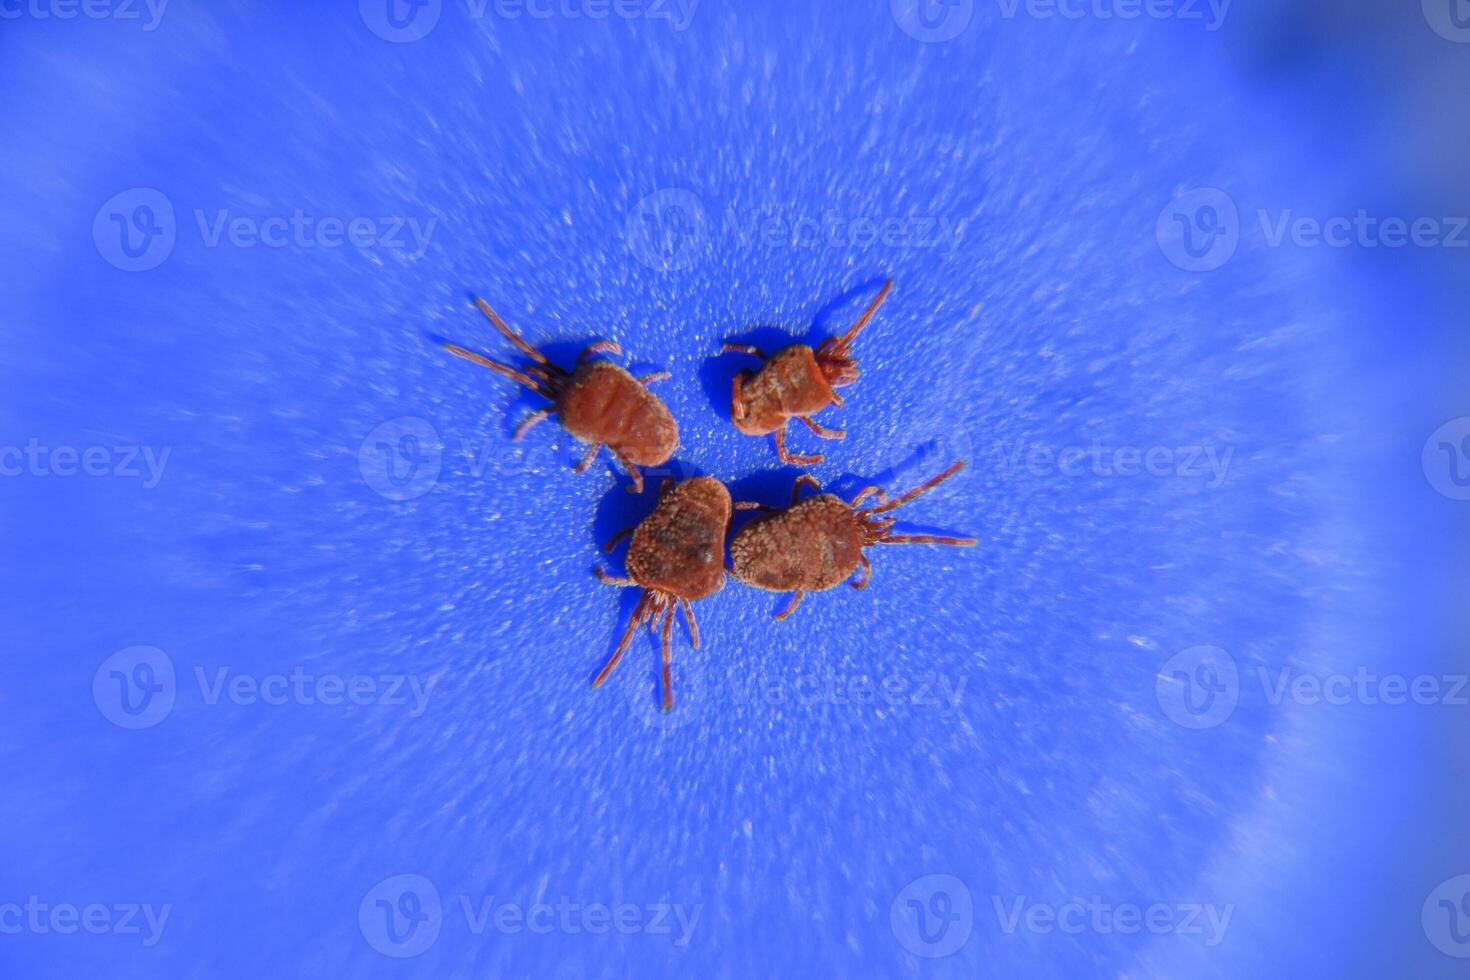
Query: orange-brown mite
{"points": [[817, 544], [796, 383], [677, 556], [598, 403]]}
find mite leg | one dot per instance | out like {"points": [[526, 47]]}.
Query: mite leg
{"points": [[868, 492], [600, 347], [607, 579], [536, 384], [752, 505], [750, 349], [587, 460], [656, 376], [867, 570], [837, 400], [637, 485], [616, 538], [510, 334], [928, 539], [790, 607], [633, 624], [737, 396], [665, 641], [530, 423], [806, 479], [821, 431], [787, 457], [921, 489], [693, 624]]}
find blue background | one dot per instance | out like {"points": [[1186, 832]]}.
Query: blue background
{"points": [[794, 821]]}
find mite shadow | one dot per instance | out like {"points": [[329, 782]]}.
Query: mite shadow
{"points": [[717, 373]]}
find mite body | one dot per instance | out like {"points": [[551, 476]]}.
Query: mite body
{"points": [[817, 543], [598, 402], [796, 382], [677, 556]]}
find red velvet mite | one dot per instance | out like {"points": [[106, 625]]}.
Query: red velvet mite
{"points": [[677, 556], [598, 403], [817, 544], [796, 383]]}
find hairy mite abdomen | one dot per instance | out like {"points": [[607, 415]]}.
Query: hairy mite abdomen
{"points": [[604, 403], [680, 547], [790, 384], [813, 546]]}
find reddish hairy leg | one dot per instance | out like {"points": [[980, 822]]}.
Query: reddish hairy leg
{"points": [[867, 570], [649, 379], [666, 640], [616, 538], [806, 479], [737, 396], [517, 376], [645, 604], [600, 347], [689, 619], [530, 423], [510, 334], [787, 457], [607, 579], [821, 431], [868, 492], [927, 539], [637, 485], [587, 460], [922, 488], [790, 607]]}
